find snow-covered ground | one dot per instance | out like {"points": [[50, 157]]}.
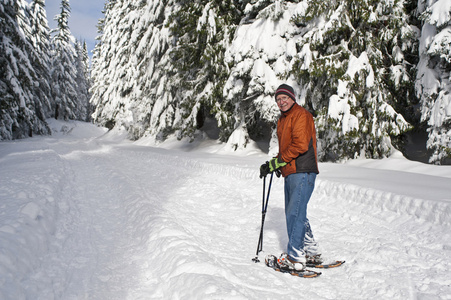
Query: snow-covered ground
{"points": [[85, 214]]}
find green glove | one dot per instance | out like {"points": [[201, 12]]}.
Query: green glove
{"points": [[275, 164]]}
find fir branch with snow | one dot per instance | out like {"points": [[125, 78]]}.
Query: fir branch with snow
{"points": [[433, 85]]}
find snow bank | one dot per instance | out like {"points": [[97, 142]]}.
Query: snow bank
{"points": [[438, 212], [394, 184]]}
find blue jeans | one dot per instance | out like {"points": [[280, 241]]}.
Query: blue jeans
{"points": [[298, 190]]}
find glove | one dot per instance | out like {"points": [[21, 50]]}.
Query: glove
{"points": [[264, 169], [275, 164]]}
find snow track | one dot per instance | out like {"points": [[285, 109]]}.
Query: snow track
{"points": [[93, 219]]}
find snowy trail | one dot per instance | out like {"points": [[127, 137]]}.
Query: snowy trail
{"points": [[86, 258], [104, 220]]}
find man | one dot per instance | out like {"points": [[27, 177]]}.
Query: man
{"points": [[297, 161]]}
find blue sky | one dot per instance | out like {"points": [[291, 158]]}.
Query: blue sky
{"points": [[83, 18]]}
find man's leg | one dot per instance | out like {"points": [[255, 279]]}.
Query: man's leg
{"points": [[311, 247], [298, 190]]}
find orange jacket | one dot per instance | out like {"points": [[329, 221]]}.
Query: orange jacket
{"points": [[297, 141]]}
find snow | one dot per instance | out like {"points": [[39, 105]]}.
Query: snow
{"points": [[208, 20], [340, 109], [361, 63], [437, 46], [86, 214], [440, 13]]}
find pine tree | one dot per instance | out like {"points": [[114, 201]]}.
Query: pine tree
{"points": [[64, 73], [434, 80], [87, 75], [260, 58], [20, 107], [82, 80], [40, 37], [150, 89], [98, 67], [114, 65], [203, 31], [355, 74], [155, 100], [133, 83]]}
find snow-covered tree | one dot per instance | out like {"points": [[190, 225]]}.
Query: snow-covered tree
{"points": [[82, 80], [33, 85], [203, 31], [164, 67], [260, 58], [355, 74], [67, 103], [346, 59], [155, 99], [21, 112], [114, 65], [434, 80], [40, 37], [98, 64], [159, 68], [133, 84]]}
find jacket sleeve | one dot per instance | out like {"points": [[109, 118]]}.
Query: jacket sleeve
{"points": [[301, 135]]}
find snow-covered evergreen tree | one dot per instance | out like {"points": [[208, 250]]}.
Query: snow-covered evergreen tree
{"points": [[162, 72], [203, 31], [40, 37], [155, 100], [354, 73], [346, 61], [164, 67], [114, 65], [98, 65], [67, 101], [21, 112], [133, 85], [260, 59], [434, 80], [87, 68], [84, 58], [28, 92], [82, 80]]}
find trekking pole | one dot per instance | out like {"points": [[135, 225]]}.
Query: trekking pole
{"points": [[264, 209]]}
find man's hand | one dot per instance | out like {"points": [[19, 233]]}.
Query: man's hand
{"points": [[270, 166], [264, 169], [275, 164]]}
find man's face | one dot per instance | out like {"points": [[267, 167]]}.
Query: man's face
{"points": [[284, 102]]}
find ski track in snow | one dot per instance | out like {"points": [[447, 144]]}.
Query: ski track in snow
{"points": [[94, 219]]}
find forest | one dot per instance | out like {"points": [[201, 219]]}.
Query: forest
{"points": [[375, 74]]}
